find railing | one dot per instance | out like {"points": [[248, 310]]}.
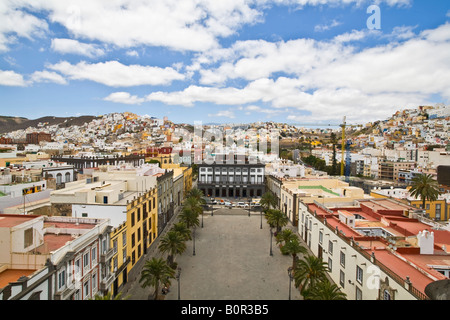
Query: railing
{"points": [[105, 256]]}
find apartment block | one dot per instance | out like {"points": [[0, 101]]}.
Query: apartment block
{"points": [[53, 258], [374, 251]]}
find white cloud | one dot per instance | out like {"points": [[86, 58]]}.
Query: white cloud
{"points": [[116, 74], [132, 53], [223, 114], [327, 79], [188, 25], [11, 78], [18, 24], [123, 97], [71, 46], [47, 76], [326, 27]]}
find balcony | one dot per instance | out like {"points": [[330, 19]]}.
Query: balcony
{"points": [[105, 256], [68, 291], [106, 282]]}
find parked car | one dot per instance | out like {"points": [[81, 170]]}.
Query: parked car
{"points": [[213, 201], [240, 204], [228, 203]]}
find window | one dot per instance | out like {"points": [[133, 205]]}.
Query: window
{"points": [[132, 219], [124, 239], [77, 267], [330, 265], [84, 215], [359, 274], [86, 289], [94, 282], [132, 240], [386, 295], [94, 254], [86, 260], [61, 279], [342, 279], [358, 293], [342, 259], [28, 237], [104, 245], [124, 255], [139, 234], [138, 214], [330, 247], [320, 237], [438, 211], [115, 245], [115, 263]]}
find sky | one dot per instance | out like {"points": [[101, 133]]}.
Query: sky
{"points": [[216, 61]]}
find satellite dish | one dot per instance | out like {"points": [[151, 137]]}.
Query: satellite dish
{"points": [[438, 290]]}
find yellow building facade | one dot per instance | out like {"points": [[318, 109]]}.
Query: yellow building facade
{"points": [[131, 240]]}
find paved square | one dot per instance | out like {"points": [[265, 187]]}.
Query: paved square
{"points": [[232, 261]]}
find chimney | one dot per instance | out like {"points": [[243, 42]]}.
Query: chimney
{"points": [[426, 242]]}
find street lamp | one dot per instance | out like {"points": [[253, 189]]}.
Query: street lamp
{"points": [[202, 218], [178, 280], [271, 234], [193, 250], [260, 213], [249, 207], [212, 210], [291, 277]]}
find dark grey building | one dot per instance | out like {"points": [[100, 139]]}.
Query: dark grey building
{"points": [[165, 198], [240, 179]]}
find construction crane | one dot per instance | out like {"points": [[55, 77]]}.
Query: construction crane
{"points": [[343, 145]]}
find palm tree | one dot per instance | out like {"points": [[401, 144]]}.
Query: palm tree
{"points": [[156, 272], [285, 236], [424, 187], [268, 201], [197, 194], [277, 219], [293, 247], [325, 290], [194, 204], [172, 243], [189, 217], [182, 229], [308, 272]]}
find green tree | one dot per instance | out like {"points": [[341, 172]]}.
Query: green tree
{"points": [[276, 219], [325, 290], [285, 236], [308, 272], [182, 229], [172, 243], [424, 187], [156, 272], [189, 217], [197, 194], [268, 201], [293, 247], [194, 204]]}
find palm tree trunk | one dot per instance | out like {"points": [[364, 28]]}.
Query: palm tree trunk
{"points": [[156, 291]]}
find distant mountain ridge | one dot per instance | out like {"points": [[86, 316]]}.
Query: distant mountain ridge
{"points": [[8, 124]]}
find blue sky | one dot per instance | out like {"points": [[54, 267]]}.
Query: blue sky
{"points": [[294, 61]]}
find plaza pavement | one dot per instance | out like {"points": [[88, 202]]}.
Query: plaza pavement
{"points": [[232, 261]]}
